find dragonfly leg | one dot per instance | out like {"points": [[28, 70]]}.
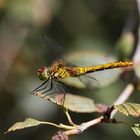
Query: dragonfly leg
{"points": [[36, 89], [51, 87], [64, 95], [55, 87], [40, 89]]}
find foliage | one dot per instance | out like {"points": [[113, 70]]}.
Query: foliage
{"points": [[127, 109], [136, 129]]}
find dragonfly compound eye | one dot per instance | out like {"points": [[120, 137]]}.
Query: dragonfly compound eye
{"points": [[43, 73]]}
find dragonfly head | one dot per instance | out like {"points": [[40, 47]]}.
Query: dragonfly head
{"points": [[43, 73]]}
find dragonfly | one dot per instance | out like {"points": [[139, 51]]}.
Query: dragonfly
{"points": [[59, 70]]}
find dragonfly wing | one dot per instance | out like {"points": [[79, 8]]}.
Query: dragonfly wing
{"points": [[55, 49], [58, 87], [89, 81], [49, 88], [59, 63]]}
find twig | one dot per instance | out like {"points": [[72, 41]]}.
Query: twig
{"points": [[123, 97], [84, 126]]}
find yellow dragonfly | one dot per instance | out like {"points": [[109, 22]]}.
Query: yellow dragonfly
{"points": [[59, 70]]}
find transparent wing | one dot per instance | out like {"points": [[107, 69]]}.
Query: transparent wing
{"points": [[89, 81], [55, 50], [44, 89], [81, 82]]}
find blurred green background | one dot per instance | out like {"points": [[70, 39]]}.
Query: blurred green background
{"points": [[102, 31]]}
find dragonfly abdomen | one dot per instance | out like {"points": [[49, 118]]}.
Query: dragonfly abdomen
{"points": [[82, 70], [113, 65]]}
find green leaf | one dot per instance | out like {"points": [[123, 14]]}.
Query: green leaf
{"points": [[127, 109], [76, 103], [72, 102], [29, 122], [136, 129]]}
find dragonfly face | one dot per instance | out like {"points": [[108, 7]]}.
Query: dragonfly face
{"points": [[43, 73]]}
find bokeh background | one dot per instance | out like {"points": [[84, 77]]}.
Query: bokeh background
{"points": [[89, 32]]}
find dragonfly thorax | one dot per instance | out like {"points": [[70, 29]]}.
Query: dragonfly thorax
{"points": [[43, 73]]}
